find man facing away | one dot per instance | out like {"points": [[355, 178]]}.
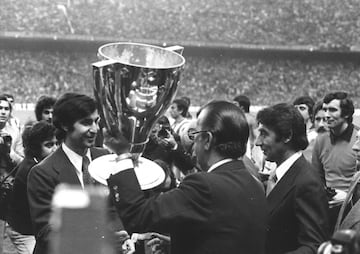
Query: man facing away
{"points": [[219, 210], [76, 120], [297, 202], [333, 156]]}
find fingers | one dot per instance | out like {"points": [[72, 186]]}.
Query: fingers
{"points": [[128, 247], [161, 237], [154, 241], [122, 234], [158, 246]]}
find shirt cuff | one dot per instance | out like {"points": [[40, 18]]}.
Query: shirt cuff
{"points": [[123, 165]]}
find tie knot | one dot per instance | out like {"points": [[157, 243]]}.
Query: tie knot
{"points": [[274, 178]]}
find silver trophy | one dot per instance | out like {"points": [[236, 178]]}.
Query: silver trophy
{"points": [[134, 85]]}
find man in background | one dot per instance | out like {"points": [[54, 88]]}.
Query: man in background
{"points": [[44, 108], [319, 127], [243, 102], [305, 105], [333, 157]]}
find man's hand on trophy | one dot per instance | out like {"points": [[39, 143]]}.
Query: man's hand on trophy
{"points": [[123, 239], [159, 244], [116, 142]]}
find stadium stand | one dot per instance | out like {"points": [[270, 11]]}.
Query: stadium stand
{"points": [[326, 23], [322, 24]]}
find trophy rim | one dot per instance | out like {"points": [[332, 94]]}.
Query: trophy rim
{"points": [[149, 173], [145, 45]]}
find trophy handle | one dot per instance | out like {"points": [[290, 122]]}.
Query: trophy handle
{"points": [[178, 49]]}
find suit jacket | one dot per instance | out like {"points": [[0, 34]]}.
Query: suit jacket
{"points": [[223, 211], [42, 181], [352, 219], [19, 213], [298, 206]]}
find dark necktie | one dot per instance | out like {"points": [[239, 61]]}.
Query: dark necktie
{"points": [[271, 183], [85, 172]]}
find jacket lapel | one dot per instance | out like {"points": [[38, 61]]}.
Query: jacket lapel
{"points": [[285, 185], [66, 170]]}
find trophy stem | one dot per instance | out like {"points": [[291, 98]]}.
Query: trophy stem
{"points": [[138, 148]]}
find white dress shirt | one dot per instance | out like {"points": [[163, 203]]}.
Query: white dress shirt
{"points": [[76, 160], [218, 164], [281, 170]]}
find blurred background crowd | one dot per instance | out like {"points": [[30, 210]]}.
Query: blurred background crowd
{"points": [[323, 23], [326, 25]]}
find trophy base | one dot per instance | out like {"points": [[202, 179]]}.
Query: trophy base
{"points": [[149, 173]]}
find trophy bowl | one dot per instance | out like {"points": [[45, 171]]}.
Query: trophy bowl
{"points": [[134, 84]]}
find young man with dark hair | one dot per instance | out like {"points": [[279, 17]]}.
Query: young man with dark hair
{"points": [[76, 120], [44, 108], [298, 221], [178, 112], [39, 141], [243, 102], [319, 127], [333, 157], [7, 128], [319, 119], [220, 210]]}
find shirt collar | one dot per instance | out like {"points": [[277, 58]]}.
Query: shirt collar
{"points": [[75, 158], [218, 164], [345, 135], [281, 170]]}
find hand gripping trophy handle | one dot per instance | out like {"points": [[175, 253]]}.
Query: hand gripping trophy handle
{"points": [[134, 85]]}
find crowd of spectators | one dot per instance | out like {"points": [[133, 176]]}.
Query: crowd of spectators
{"points": [[30, 74], [329, 24], [326, 24]]}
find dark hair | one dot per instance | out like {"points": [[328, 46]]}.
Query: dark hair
{"points": [[163, 120], [43, 103], [5, 98], [286, 121], [229, 127], [316, 109], [346, 104], [187, 100], [182, 105], [308, 101], [9, 96], [34, 135], [243, 102], [70, 108]]}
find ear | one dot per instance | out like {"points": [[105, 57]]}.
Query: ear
{"points": [[64, 128], [208, 141], [288, 138]]}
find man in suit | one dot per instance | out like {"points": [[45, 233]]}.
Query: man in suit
{"points": [[219, 210], [76, 119], [297, 202]]}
